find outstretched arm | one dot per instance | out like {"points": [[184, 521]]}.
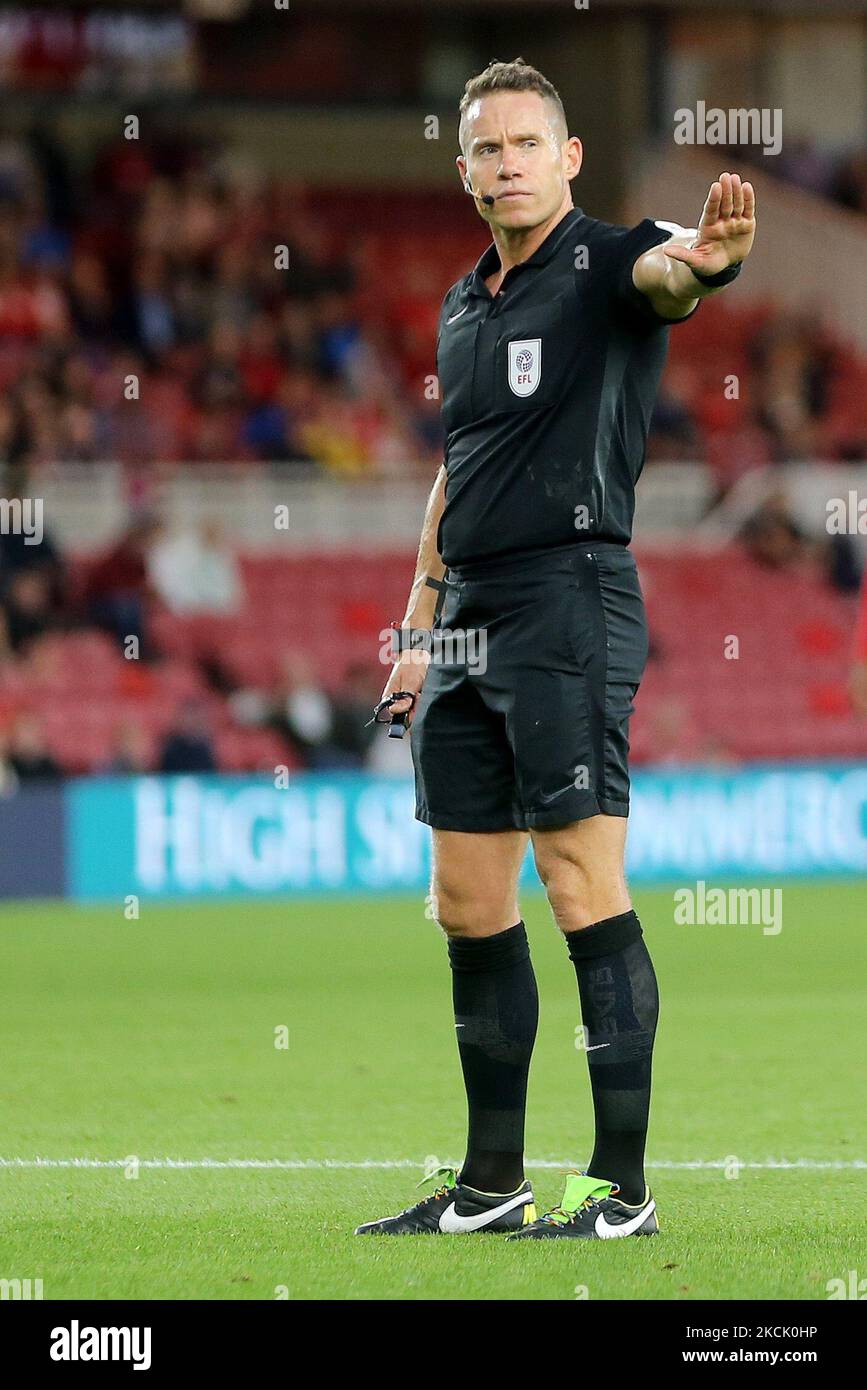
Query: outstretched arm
{"points": [[723, 238]]}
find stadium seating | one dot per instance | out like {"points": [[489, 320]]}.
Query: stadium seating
{"points": [[782, 696]]}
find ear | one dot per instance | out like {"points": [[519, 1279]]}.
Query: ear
{"points": [[462, 169], [574, 156]]}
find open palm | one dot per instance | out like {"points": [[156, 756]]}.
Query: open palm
{"points": [[726, 229]]}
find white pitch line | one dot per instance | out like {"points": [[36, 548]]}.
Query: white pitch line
{"points": [[293, 1164]]}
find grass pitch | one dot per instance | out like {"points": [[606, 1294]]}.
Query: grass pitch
{"points": [[158, 1040]]}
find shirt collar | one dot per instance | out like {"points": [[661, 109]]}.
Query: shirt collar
{"points": [[489, 261]]}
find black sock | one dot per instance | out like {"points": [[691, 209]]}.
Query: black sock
{"points": [[620, 1007], [496, 1012]]}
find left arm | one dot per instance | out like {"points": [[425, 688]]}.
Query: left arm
{"points": [[723, 237]]}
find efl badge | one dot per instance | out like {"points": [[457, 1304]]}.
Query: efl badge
{"points": [[525, 366]]}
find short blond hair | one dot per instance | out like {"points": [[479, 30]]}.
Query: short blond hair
{"points": [[517, 76]]}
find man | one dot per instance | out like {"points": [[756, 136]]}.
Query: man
{"points": [[549, 356]]}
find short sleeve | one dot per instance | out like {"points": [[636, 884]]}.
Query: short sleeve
{"points": [[634, 243]]}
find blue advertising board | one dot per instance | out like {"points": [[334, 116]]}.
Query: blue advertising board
{"points": [[32, 842], [201, 836]]}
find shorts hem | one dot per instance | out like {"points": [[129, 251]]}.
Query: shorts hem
{"points": [[528, 820], [469, 823], [598, 806]]}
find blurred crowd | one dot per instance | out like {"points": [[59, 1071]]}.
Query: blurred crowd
{"points": [[168, 304], [159, 307], [782, 405], [155, 570], [147, 591], [840, 176]]}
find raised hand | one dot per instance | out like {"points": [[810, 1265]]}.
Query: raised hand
{"points": [[726, 229]]}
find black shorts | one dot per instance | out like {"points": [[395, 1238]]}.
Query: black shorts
{"points": [[526, 722]]}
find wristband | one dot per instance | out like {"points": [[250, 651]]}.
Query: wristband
{"points": [[409, 639], [722, 277]]}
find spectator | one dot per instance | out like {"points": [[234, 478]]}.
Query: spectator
{"points": [[194, 571], [850, 184], [18, 553], [351, 734], [188, 746], [28, 755], [28, 609], [674, 735], [773, 537], [130, 756], [8, 776], [118, 588], [302, 712]]}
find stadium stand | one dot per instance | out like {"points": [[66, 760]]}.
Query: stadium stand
{"points": [[159, 265], [783, 694]]}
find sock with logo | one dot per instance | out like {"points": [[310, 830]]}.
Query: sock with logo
{"points": [[496, 1013], [619, 1007]]}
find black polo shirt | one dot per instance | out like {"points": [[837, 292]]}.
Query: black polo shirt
{"points": [[547, 392]]}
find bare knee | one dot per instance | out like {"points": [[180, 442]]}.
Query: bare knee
{"points": [[474, 881], [463, 911], [569, 890], [580, 891]]}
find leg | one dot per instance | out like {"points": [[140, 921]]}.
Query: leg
{"points": [[474, 884], [474, 894], [474, 890], [581, 866]]}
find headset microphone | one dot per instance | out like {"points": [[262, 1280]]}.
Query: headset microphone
{"points": [[485, 198]]}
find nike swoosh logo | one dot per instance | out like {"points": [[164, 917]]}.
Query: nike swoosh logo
{"points": [[552, 796], [452, 1224], [596, 1047], [457, 316], [606, 1232]]}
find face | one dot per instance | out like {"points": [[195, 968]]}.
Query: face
{"points": [[515, 150]]}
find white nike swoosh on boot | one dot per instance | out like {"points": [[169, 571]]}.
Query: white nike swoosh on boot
{"points": [[625, 1228], [451, 1223]]}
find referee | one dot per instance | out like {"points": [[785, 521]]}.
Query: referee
{"points": [[549, 356]]}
